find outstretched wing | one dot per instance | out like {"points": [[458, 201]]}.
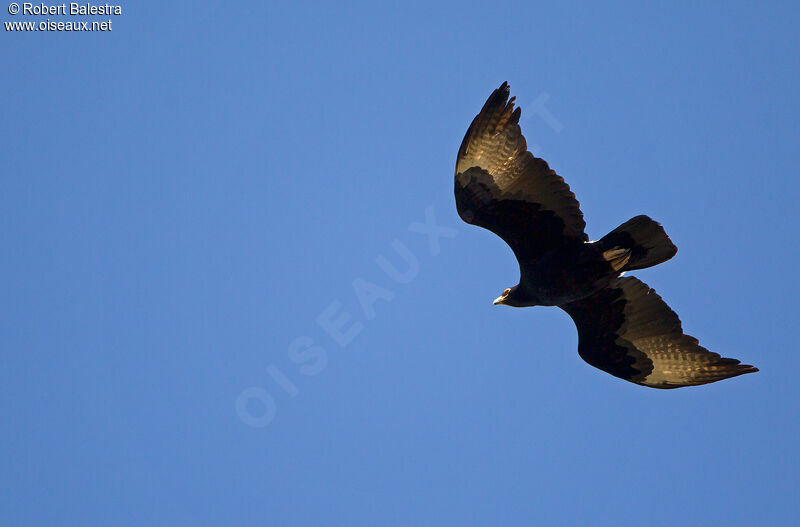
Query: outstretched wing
{"points": [[627, 330], [502, 187]]}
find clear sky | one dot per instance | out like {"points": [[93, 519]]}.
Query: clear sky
{"points": [[190, 202]]}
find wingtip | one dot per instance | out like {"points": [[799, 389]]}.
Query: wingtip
{"points": [[499, 103], [504, 89], [743, 369]]}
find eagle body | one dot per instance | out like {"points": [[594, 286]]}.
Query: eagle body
{"points": [[571, 272], [624, 327]]}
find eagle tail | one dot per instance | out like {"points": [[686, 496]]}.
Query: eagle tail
{"points": [[646, 240]]}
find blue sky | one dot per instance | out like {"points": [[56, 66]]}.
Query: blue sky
{"points": [[185, 197]]}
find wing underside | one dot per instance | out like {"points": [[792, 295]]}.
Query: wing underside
{"points": [[502, 187], [627, 330]]}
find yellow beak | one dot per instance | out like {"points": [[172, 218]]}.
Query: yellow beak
{"points": [[498, 301]]}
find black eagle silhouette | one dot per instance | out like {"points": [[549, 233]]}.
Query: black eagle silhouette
{"points": [[624, 327]]}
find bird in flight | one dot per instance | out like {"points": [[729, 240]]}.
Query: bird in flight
{"points": [[624, 327]]}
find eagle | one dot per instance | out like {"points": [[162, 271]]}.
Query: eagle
{"points": [[624, 327]]}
